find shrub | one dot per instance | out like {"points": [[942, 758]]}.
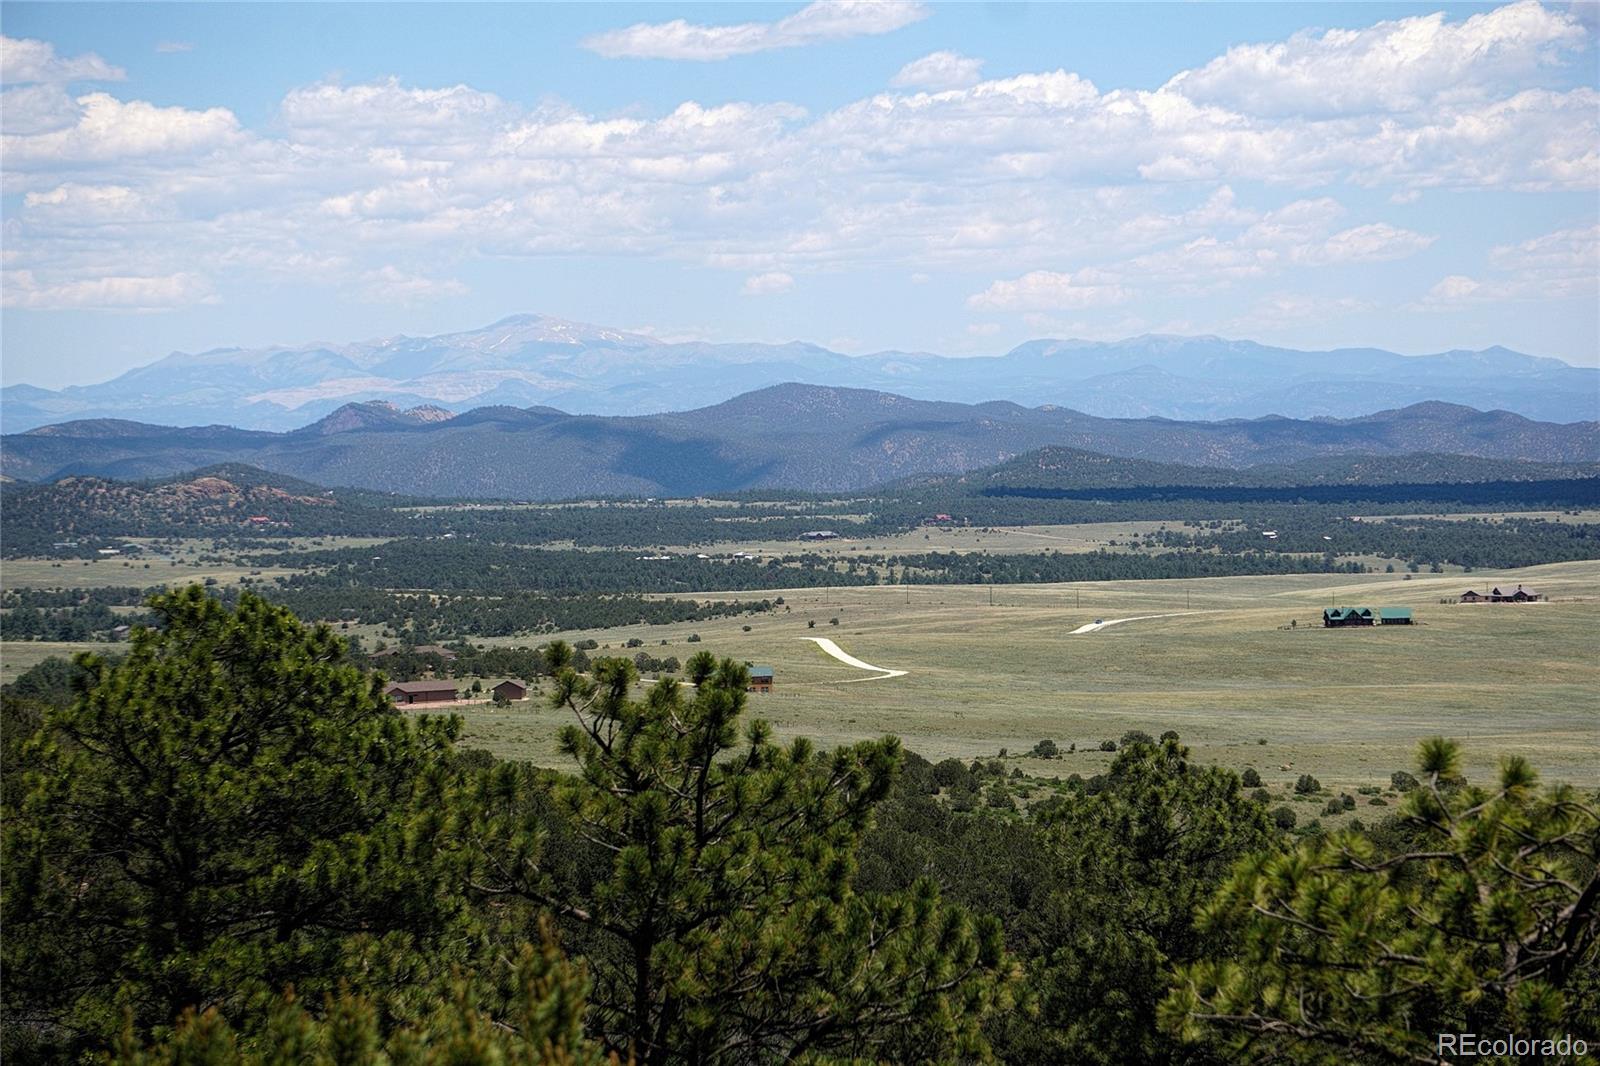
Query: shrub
{"points": [[1306, 785], [1401, 781], [1347, 801], [1250, 778], [1261, 795], [1108, 745], [1137, 736], [1283, 818], [1046, 749], [1171, 734], [1378, 801], [694, 638]]}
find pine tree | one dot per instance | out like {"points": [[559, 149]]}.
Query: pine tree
{"points": [[1486, 919], [231, 809], [722, 925]]}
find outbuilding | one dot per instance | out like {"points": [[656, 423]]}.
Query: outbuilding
{"points": [[761, 679], [1470, 596], [510, 689], [1394, 616], [409, 692]]}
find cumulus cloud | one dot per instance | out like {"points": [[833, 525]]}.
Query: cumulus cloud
{"points": [[1046, 290], [825, 20], [1561, 265], [1391, 66], [1065, 194], [22, 290], [768, 284], [390, 284], [940, 70], [24, 61], [108, 129]]}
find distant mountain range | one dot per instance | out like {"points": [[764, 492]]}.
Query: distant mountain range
{"points": [[788, 436], [535, 360]]}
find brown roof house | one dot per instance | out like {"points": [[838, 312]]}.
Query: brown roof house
{"points": [[511, 689], [407, 692]]}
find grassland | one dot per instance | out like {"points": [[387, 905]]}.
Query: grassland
{"points": [[1345, 705], [992, 667]]}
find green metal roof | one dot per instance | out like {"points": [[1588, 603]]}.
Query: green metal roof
{"points": [[1394, 612], [761, 671]]}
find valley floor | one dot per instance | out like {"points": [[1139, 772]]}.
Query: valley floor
{"points": [[1219, 663]]}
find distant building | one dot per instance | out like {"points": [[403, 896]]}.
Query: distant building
{"points": [[1517, 595], [120, 632], [407, 692], [1394, 616], [1470, 596], [761, 679], [511, 690], [107, 551], [258, 519], [1340, 617], [436, 649], [820, 534]]}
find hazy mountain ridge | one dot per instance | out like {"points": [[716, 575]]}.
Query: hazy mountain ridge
{"points": [[536, 360], [789, 436]]}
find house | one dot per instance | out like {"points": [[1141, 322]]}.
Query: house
{"points": [[407, 692], [509, 690], [1525, 595], [1394, 616], [1340, 617], [435, 649], [1470, 596], [760, 679], [121, 632], [820, 534]]}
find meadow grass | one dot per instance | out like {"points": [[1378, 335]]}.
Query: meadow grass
{"points": [[1345, 705]]}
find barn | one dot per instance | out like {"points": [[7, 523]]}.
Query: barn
{"points": [[511, 689], [1341, 617], [760, 679], [1394, 616], [408, 692]]}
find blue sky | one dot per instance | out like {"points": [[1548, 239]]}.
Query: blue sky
{"points": [[951, 178]]}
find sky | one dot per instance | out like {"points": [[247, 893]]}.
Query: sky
{"points": [[867, 176]]}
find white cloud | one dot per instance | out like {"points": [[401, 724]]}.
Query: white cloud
{"points": [[25, 61], [33, 109], [1045, 290], [1070, 195], [1390, 66], [22, 290], [108, 129], [825, 20], [1561, 265], [940, 70], [1374, 243], [389, 284], [173, 47], [768, 284]]}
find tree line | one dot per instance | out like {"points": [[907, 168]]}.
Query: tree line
{"points": [[227, 847]]}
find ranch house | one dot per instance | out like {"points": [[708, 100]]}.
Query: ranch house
{"points": [[1340, 617], [760, 679], [408, 692]]}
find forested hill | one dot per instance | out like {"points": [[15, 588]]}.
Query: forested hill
{"points": [[1074, 468], [797, 437]]}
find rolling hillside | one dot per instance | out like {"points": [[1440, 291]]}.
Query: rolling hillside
{"points": [[789, 436]]}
